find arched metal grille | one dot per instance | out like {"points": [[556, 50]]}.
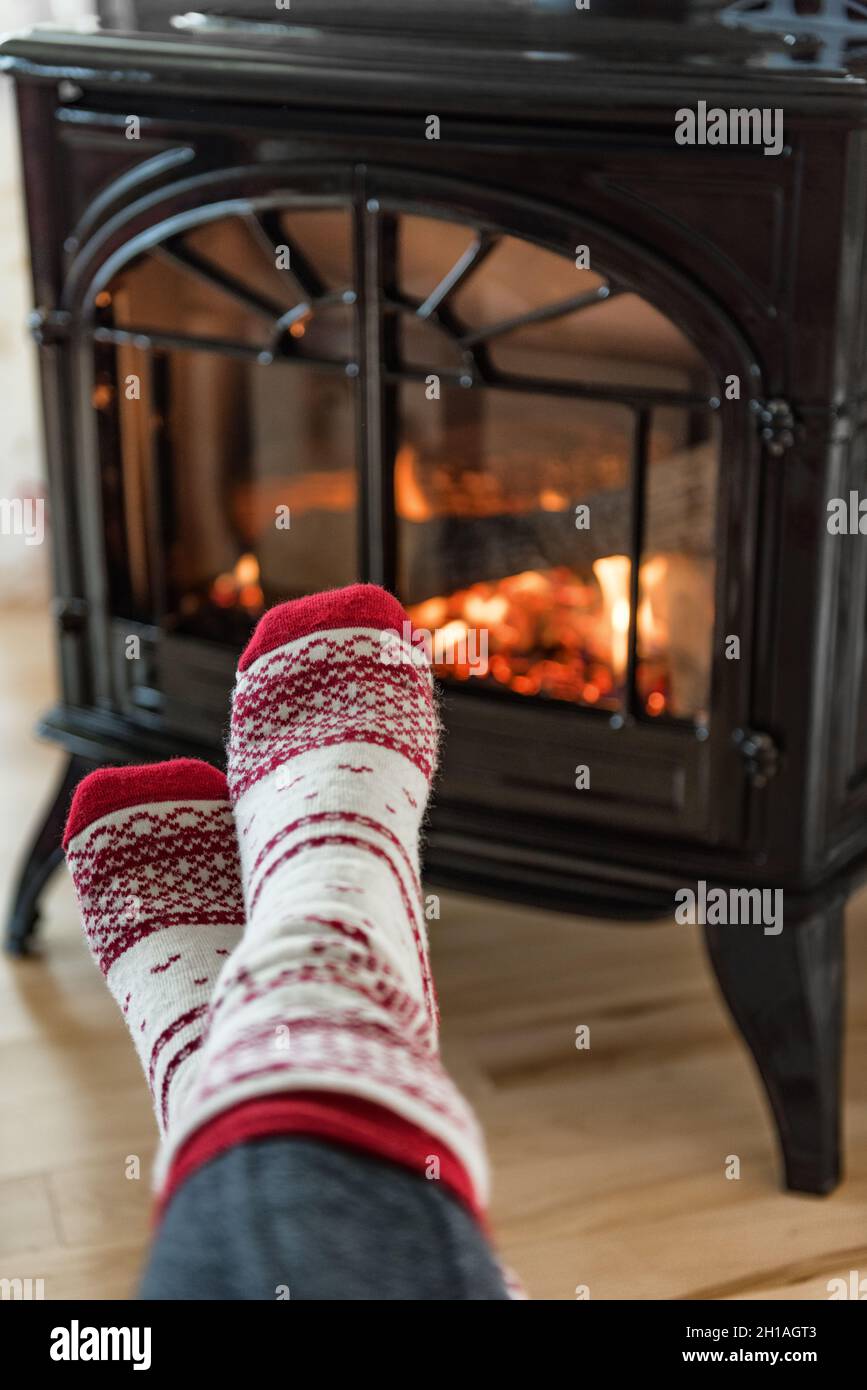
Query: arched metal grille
{"points": [[378, 231], [828, 31], [362, 318]]}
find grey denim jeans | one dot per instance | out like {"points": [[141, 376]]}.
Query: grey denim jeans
{"points": [[297, 1218]]}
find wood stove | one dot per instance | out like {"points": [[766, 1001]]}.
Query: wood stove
{"points": [[449, 309]]}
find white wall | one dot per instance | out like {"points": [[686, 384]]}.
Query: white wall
{"points": [[23, 568]]}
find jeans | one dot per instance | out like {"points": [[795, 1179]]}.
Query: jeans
{"points": [[297, 1218]]}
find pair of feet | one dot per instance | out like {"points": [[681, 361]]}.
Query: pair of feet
{"points": [[264, 934]]}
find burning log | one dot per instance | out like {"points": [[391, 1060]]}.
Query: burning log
{"points": [[456, 551]]}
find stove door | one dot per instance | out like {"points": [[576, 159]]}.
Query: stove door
{"points": [[510, 423]]}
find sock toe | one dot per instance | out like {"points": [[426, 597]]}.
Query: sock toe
{"points": [[116, 788], [358, 605]]}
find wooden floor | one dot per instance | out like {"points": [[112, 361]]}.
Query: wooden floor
{"points": [[609, 1164]]}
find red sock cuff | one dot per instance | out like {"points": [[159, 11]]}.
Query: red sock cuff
{"points": [[117, 788], [359, 605], [344, 1120]]}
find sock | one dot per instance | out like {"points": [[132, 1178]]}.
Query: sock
{"points": [[153, 856], [328, 1002]]}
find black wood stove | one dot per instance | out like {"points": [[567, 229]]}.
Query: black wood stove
{"points": [[432, 296]]}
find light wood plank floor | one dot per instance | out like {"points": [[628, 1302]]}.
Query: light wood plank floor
{"points": [[609, 1163]]}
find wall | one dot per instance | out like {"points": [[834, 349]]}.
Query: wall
{"points": [[23, 567]]}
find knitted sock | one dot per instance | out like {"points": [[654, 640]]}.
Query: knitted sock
{"points": [[154, 859], [328, 1000]]}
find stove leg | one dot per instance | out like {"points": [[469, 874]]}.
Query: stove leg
{"points": [[42, 858], [786, 995]]}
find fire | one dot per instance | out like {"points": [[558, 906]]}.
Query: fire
{"points": [[326, 490], [247, 570], [652, 587], [240, 588], [613, 577], [549, 632], [470, 492], [450, 637], [411, 502], [486, 612], [555, 633], [432, 613], [552, 501]]}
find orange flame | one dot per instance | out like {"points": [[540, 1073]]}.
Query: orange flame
{"points": [[555, 633], [240, 588], [410, 501]]}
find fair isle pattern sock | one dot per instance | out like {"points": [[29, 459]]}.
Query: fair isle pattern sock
{"points": [[330, 759], [153, 856]]}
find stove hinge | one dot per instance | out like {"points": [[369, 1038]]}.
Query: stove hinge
{"points": [[776, 423], [761, 755], [70, 614], [48, 326]]}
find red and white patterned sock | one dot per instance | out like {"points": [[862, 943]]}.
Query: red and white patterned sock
{"points": [[324, 1021], [154, 859]]}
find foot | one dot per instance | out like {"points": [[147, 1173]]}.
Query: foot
{"points": [[333, 744], [153, 856]]}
